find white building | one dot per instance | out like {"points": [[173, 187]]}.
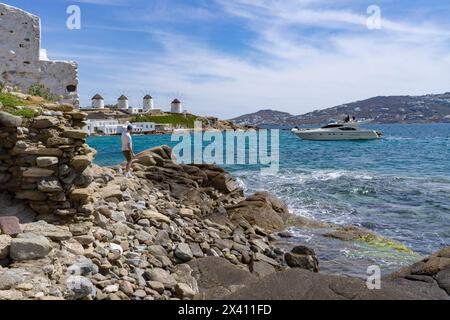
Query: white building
{"points": [[176, 106], [98, 102], [133, 110], [122, 103], [148, 103], [103, 126], [143, 127]]}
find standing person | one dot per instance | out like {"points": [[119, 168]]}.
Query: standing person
{"points": [[127, 149]]}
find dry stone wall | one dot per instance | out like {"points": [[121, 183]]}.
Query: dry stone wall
{"points": [[45, 161], [21, 64]]}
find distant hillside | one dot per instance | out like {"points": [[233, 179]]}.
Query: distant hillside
{"points": [[390, 109], [263, 117]]}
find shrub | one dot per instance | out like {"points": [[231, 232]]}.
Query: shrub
{"points": [[9, 101], [174, 119], [38, 89]]}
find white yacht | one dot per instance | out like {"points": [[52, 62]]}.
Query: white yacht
{"points": [[338, 131]]}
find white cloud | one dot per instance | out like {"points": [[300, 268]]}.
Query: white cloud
{"points": [[340, 62]]}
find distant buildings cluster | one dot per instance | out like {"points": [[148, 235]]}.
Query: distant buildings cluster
{"points": [[147, 105]]}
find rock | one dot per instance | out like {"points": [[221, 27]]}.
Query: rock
{"points": [[9, 278], [10, 225], [75, 134], [80, 287], [261, 268], [81, 228], [100, 220], [111, 288], [112, 191], [189, 213], [5, 242], [157, 286], [443, 279], [118, 216], [58, 141], [262, 257], [42, 228], [73, 246], [225, 183], [50, 185], [126, 287], [262, 209], [140, 294], [156, 216], [35, 247], [10, 121], [80, 163], [183, 252], [161, 275], [196, 250], [302, 257], [81, 195], [183, 291], [217, 277], [31, 195], [51, 152], [299, 284], [83, 267], [43, 122], [37, 173], [10, 295], [43, 162]]}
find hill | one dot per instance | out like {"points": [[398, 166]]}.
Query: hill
{"points": [[432, 108]]}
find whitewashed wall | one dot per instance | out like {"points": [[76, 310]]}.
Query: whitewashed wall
{"points": [[20, 64]]}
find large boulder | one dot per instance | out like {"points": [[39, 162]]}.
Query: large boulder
{"points": [[302, 257], [217, 277], [9, 120], [29, 248], [299, 284], [261, 209], [432, 273], [154, 156]]}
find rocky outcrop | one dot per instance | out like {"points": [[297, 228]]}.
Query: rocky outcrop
{"points": [[261, 209], [432, 272]]}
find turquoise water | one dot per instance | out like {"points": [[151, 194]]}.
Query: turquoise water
{"points": [[398, 186]]}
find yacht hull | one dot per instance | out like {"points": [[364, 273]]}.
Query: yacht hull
{"points": [[334, 136]]}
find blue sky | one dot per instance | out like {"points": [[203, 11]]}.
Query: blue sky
{"points": [[230, 57]]}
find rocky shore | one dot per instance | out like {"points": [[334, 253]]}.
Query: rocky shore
{"points": [[72, 230]]}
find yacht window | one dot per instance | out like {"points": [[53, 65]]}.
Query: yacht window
{"points": [[347, 129], [333, 125]]}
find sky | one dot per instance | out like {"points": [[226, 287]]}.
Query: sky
{"points": [[226, 58]]}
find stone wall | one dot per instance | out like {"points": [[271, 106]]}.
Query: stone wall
{"points": [[45, 161], [21, 61]]}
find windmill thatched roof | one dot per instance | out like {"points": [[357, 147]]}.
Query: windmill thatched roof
{"points": [[122, 97], [176, 101], [97, 97], [148, 97]]}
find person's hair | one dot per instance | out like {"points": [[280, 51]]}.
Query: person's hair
{"points": [[129, 127]]}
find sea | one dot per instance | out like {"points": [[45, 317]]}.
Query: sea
{"points": [[398, 187]]}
